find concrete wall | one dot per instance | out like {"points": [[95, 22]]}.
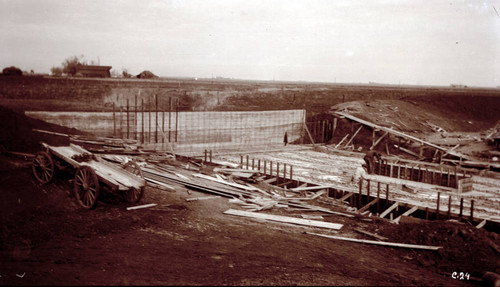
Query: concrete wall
{"points": [[224, 129]]}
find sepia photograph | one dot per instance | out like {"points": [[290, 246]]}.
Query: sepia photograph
{"points": [[250, 143]]}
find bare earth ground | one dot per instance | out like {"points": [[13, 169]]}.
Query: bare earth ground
{"points": [[48, 240]]}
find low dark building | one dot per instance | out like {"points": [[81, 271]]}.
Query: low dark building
{"points": [[91, 71]]}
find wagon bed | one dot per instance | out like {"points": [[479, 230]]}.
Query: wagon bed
{"points": [[91, 171]]}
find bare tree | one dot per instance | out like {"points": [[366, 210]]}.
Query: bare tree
{"points": [[69, 65]]}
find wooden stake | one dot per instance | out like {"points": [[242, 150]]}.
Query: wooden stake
{"points": [[471, 211], [128, 120], [142, 117], [437, 205], [114, 120], [378, 197], [156, 118], [449, 207]]}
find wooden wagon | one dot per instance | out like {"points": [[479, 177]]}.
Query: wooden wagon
{"points": [[91, 172]]}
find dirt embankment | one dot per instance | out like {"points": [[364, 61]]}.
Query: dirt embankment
{"points": [[16, 132]]}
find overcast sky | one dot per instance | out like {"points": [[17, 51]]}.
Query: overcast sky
{"points": [[425, 42]]}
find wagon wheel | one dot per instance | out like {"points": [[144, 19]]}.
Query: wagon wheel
{"points": [[133, 195], [86, 187], [43, 167]]}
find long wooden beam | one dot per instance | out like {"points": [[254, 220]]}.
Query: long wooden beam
{"points": [[398, 133], [354, 135], [285, 219], [392, 244], [383, 214], [378, 141]]}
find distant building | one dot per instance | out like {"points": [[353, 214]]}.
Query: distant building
{"points": [[90, 71]]}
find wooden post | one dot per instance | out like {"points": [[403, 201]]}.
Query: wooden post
{"points": [[461, 207], [247, 161], [205, 156], [437, 205], [277, 172], [114, 120], [128, 120], [449, 206], [271, 168], [387, 192], [210, 156], [142, 117], [368, 190], [291, 172], [265, 164], [360, 192], [455, 182], [258, 164], [323, 133], [334, 126], [135, 118], [121, 122], [448, 181], [241, 161], [149, 119], [253, 163], [284, 171], [378, 198], [176, 118], [169, 117], [156, 118], [471, 211], [390, 169], [399, 171], [163, 125]]}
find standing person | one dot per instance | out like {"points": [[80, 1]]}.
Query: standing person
{"points": [[285, 138], [369, 160]]}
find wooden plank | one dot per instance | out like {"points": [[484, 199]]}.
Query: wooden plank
{"points": [[354, 135], [378, 141], [407, 213], [285, 219], [349, 194], [480, 225], [407, 151], [450, 150], [50, 133], [309, 134], [391, 208], [379, 237], [392, 244], [343, 139], [142, 206], [201, 198], [318, 194], [310, 187], [368, 205], [397, 133]]}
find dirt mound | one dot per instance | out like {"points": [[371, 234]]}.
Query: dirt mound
{"points": [[16, 132], [464, 247]]}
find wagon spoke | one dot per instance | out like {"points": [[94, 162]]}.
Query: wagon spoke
{"points": [[80, 179], [91, 195]]}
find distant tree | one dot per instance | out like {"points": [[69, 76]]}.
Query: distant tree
{"points": [[69, 65], [56, 71], [12, 71], [126, 74]]}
